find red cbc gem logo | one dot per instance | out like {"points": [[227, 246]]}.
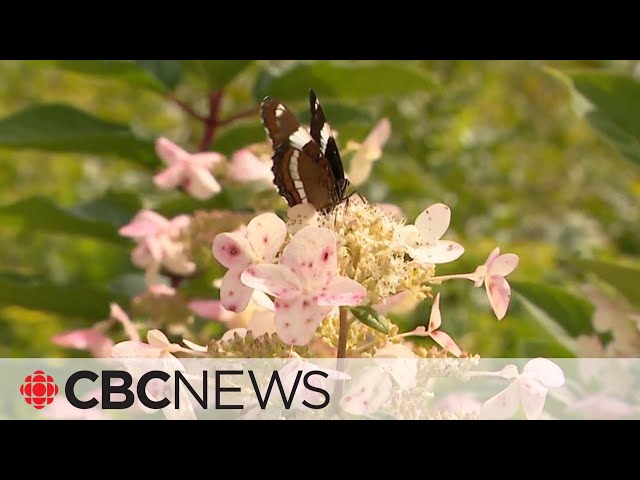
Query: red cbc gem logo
{"points": [[38, 389]]}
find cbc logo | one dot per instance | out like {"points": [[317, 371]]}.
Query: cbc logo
{"points": [[38, 389]]}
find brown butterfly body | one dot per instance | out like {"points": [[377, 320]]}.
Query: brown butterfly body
{"points": [[306, 163]]}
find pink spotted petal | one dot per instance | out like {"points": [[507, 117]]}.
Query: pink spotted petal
{"points": [[503, 265], [533, 395], [434, 222], [201, 184], [170, 177], [503, 405], [442, 251], [435, 318], [169, 152], [368, 392], [211, 310], [499, 293], [312, 255], [297, 319], [275, 280], [234, 294], [342, 291], [232, 250], [545, 371], [266, 234], [206, 160], [445, 341], [97, 343]]}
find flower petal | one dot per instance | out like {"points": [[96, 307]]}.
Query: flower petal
{"points": [[132, 349], [194, 346], [146, 222], [157, 339], [211, 310], [170, 177], [504, 264], [533, 397], [435, 318], [442, 251], [245, 167], [499, 293], [368, 392], [205, 160], [342, 291], [169, 152], [400, 361], [298, 318], [234, 294], [85, 339], [312, 255], [434, 222], [503, 405], [119, 315], [545, 371], [201, 184], [266, 234], [262, 300], [445, 341], [232, 250], [276, 280], [492, 256], [380, 134]]}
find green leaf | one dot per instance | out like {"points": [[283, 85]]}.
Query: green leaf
{"points": [[216, 73], [237, 136], [157, 75], [328, 79], [114, 207], [371, 318], [624, 279], [62, 128], [168, 72], [80, 300], [42, 215], [614, 107], [569, 311]]}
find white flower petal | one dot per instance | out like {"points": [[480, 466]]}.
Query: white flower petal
{"points": [[342, 291], [170, 177], [201, 184], [499, 293], [435, 318], [312, 255], [157, 339], [368, 393], [533, 396], [503, 405], [169, 152], [442, 251], [545, 371], [276, 280], [434, 222], [266, 234], [234, 294], [262, 323], [445, 341], [298, 318], [400, 362], [503, 265], [232, 250]]}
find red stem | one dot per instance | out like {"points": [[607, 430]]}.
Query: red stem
{"points": [[212, 122], [247, 113], [188, 109]]}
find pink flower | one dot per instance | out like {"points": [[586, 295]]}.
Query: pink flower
{"points": [[433, 330], [119, 315], [260, 243], [246, 166], [159, 243], [492, 274], [90, 339], [422, 240], [529, 389], [368, 152], [191, 171], [306, 284], [157, 346]]}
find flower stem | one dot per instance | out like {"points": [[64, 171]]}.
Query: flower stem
{"points": [[442, 278], [244, 114], [188, 109], [343, 333], [212, 122]]}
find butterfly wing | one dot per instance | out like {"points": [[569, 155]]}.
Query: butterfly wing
{"points": [[323, 136], [301, 172]]}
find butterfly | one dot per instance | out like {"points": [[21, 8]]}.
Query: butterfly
{"points": [[306, 163]]}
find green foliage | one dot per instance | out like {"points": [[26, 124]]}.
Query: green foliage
{"points": [[371, 318], [623, 278]]}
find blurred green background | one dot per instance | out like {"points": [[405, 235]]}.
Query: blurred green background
{"points": [[538, 157]]}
